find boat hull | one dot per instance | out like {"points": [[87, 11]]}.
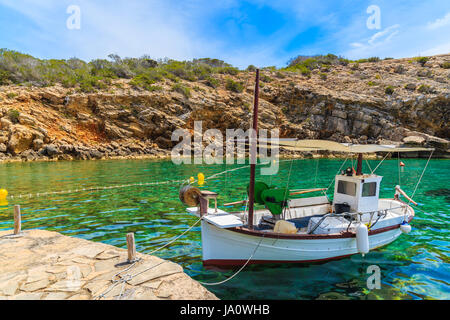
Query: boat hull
{"points": [[233, 247]]}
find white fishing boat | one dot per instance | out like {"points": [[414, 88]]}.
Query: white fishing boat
{"points": [[306, 229]]}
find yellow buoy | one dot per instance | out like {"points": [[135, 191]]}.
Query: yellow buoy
{"points": [[3, 195], [201, 179], [191, 179]]}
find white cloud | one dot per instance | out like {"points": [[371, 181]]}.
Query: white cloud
{"points": [[439, 49], [381, 37], [438, 23], [377, 41]]}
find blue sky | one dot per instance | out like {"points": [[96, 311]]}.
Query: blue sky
{"points": [[258, 32]]}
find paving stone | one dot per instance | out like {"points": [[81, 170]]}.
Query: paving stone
{"points": [[145, 295], [97, 287], [66, 286], [81, 260], [152, 284], [56, 296], [154, 271], [85, 270], [36, 285], [56, 269], [89, 251], [103, 265], [8, 288], [28, 296], [109, 254], [79, 296]]}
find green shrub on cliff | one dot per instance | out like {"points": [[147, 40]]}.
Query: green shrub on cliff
{"points": [[212, 82], [234, 86], [13, 115], [421, 60], [145, 80], [19, 68], [182, 89], [4, 77], [389, 90], [371, 59], [424, 88]]}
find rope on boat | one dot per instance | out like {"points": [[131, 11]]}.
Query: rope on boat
{"points": [[339, 170], [380, 162], [421, 176], [236, 273]]}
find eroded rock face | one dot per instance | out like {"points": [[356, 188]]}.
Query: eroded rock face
{"points": [[21, 139], [128, 122]]}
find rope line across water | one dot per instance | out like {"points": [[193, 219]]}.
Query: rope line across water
{"points": [[154, 183]]}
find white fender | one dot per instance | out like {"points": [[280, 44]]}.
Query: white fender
{"points": [[405, 227], [362, 239]]}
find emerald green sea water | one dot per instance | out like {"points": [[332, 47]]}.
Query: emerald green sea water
{"points": [[415, 266]]}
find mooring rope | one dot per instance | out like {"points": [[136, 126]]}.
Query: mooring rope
{"points": [[128, 277], [237, 272]]}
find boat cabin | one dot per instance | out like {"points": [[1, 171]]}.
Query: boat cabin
{"points": [[356, 193]]}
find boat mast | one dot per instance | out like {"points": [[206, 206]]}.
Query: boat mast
{"points": [[254, 133], [359, 165]]}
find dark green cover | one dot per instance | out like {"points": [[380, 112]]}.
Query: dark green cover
{"points": [[274, 199]]}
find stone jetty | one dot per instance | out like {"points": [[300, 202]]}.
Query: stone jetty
{"points": [[38, 264]]}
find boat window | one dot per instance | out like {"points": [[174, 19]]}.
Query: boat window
{"points": [[347, 187], [369, 189]]}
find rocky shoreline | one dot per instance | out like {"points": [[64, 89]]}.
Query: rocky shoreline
{"points": [[351, 104]]}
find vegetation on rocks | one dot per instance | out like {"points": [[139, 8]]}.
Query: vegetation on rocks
{"points": [[182, 89], [389, 90], [13, 115], [128, 107], [234, 86]]}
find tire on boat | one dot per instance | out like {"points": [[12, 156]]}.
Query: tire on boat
{"points": [[190, 195]]}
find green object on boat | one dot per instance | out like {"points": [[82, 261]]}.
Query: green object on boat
{"points": [[274, 200], [259, 188]]}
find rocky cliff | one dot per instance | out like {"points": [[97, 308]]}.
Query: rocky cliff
{"points": [[391, 101]]}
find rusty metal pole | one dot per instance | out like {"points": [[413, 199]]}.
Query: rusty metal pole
{"points": [[359, 165], [253, 146]]}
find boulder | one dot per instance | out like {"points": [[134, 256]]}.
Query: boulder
{"points": [[416, 140], [37, 144], [5, 123], [21, 139], [26, 120], [51, 150]]}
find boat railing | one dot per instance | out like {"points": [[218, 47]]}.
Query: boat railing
{"points": [[380, 213]]}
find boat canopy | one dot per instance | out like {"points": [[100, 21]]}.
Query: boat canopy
{"points": [[325, 145]]}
